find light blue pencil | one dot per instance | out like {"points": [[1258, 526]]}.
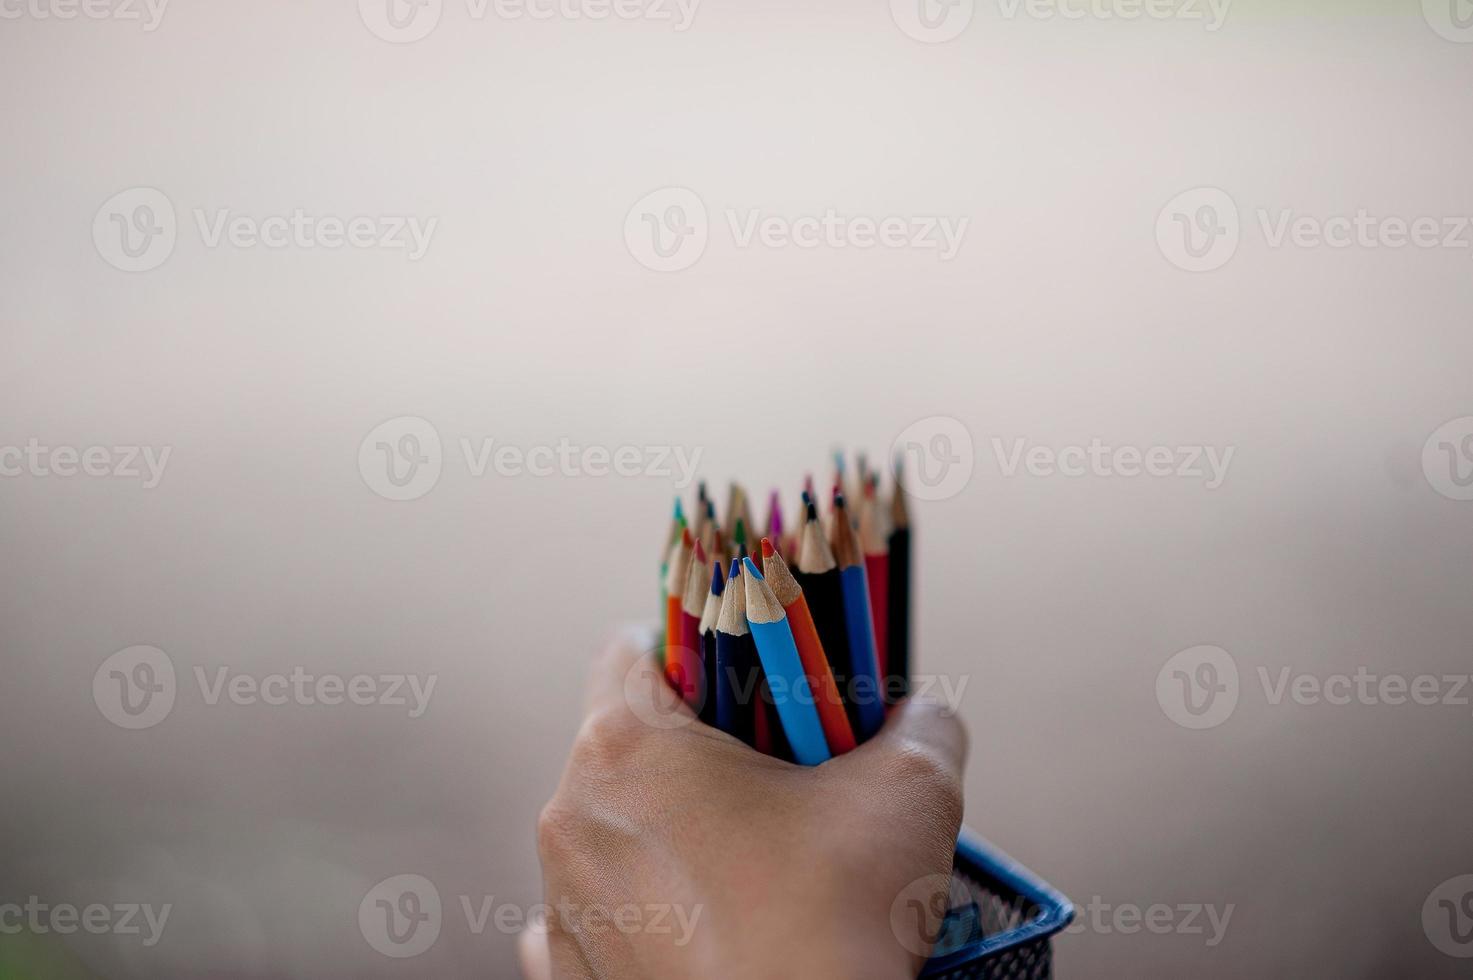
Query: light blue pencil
{"points": [[791, 692]]}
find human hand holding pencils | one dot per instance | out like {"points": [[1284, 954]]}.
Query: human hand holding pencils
{"points": [[753, 866]]}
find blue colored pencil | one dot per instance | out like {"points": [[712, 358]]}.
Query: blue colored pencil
{"points": [[794, 698], [860, 622]]}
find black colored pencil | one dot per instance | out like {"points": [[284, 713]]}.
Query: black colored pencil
{"points": [[818, 575], [897, 670]]}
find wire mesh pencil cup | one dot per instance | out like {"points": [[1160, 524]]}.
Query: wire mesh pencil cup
{"points": [[1002, 919]]}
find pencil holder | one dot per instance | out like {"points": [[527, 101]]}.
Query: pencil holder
{"points": [[1002, 919]]}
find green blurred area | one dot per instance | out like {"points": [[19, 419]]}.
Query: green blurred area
{"points": [[28, 956]]}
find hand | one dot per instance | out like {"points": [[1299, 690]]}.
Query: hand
{"points": [[684, 853]]}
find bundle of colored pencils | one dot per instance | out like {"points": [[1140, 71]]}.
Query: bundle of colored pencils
{"points": [[798, 645]]}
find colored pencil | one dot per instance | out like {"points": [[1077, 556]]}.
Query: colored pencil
{"points": [[677, 521], [898, 620], [788, 683], [670, 554], [875, 545], [818, 576], [836, 728], [707, 631], [859, 618], [736, 657], [693, 603], [674, 592], [774, 517]]}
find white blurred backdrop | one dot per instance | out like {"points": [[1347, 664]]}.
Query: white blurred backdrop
{"points": [[1323, 353]]}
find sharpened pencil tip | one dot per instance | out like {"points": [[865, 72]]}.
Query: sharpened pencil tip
{"points": [[700, 554], [679, 510], [812, 514], [751, 569], [685, 537], [736, 569], [766, 548], [718, 584]]}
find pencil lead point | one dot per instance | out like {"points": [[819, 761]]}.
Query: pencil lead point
{"points": [[766, 548], [736, 569], [751, 569], [685, 537], [717, 582]]}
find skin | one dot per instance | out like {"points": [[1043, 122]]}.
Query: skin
{"points": [[778, 870]]}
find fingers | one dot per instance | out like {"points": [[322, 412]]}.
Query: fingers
{"points": [[928, 727], [607, 674], [916, 760], [533, 952], [627, 677]]}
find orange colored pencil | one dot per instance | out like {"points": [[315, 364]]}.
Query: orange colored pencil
{"points": [[836, 729]]}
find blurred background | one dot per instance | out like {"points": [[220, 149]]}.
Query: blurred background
{"points": [[209, 261]]}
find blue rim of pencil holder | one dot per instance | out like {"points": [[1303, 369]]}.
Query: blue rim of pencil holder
{"points": [[1005, 923]]}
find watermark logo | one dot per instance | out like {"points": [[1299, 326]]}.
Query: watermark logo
{"points": [[41, 461], [932, 21], [1451, 19], [1447, 459], [135, 230], [1198, 230], [1191, 462], [64, 918], [1211, 13], [1198, 687], [658, 710], [134, 688], [400, 916], [137, 688], [400, 21], [1447, 917], [401, 459], [1127, 918], [150, 13], [667, 229], [917, 914], [936, 456]]}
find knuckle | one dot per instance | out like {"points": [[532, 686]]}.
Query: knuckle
{"points": [[926, 776], [558, 830], [605, 734]]}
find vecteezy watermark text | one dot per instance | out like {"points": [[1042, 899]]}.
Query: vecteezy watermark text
{"points": [[1199, 687], [36, 459], [667, 230], [149, 13], [403, 915], [64, 919], [407, 21], [1207, 463], [402, 459], [1125, 918], [1199, 230], [136, 230], [137, 687]]}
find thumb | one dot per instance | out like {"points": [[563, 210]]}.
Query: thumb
{"points": [[914, 763]]}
